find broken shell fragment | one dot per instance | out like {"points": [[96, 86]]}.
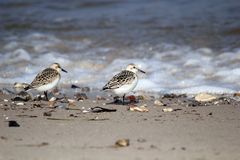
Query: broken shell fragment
{"points": [[48, 114], [52, 99], [158, 103], [167, 109], [85, 111], [122, 143], [22, 96], [21, 85], [80, 96], [142, 108], [20, 104], [51, 103], [204, 97], [71, 101]]}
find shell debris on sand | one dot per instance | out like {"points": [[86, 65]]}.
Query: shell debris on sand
{"points": [[158, 103], [20, 104], [52, 99], [167, 109], [122, 143], [204, 97], [71, 102], [142, 108]]}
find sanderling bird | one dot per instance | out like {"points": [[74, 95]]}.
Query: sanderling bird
{"points": [[47, 79], [124, 82]]}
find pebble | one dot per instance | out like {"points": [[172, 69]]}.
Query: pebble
{"points": [[122, 143], [204, 97], [139, 109], [52, 99], [167, 109], [5, 100], [71, 101], [158, 103], [85, 111], [80, 96], [20, 104], [48, 114]]}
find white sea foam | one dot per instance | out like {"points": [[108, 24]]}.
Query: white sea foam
{"points": [[170, 68]]}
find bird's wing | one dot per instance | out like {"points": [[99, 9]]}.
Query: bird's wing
{"points": [[44, 77], [122, 78]]}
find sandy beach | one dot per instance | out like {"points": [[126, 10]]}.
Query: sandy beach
{"points": [[70, 130]]}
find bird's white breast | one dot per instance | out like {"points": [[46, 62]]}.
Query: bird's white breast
{"points": [[126, 88], [49, 85]]}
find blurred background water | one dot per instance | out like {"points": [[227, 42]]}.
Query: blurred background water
{"points": [[186, 46]]}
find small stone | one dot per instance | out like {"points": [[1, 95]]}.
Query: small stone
{"points": [[48, 114], [236, 94], [52, 99], [71, 100], [22, 96], [73, 86], [71, 115], [80, 96], [167, 109], [204, 97], [132, 99], [5, 100], [158, 103], [85, 111], [139, 109], [21, 85], [122, 143], [100, 98], [85, 89], [141, 140], [20, 104], [140, 97], [3, 138], [183, 148], [13, 124], [51, 103]]}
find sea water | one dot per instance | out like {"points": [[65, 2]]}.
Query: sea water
{"points": [[184, 46]]}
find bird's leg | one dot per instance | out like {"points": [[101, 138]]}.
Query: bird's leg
{"points": [[123, 99], [45, 93]]}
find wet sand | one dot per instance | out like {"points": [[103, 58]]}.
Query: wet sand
{"points": [[67, 131]]}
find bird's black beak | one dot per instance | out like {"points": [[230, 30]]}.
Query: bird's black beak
{"points": [[141, 71], [64, 70]]}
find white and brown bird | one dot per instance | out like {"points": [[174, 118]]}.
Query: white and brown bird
{"points": [[124, 82], [47, 79]]}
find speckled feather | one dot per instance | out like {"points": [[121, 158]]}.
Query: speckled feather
{"points": [[48, 75], [122, 78]]}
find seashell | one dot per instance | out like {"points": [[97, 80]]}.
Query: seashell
{"points": [[204, 97], [52, 99], [167, 109], [20, 104], [85, 111], [139, 109], [71, 101], [158, 103], [22, 96], [80, 96], [21, 85], [122, 143]]}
